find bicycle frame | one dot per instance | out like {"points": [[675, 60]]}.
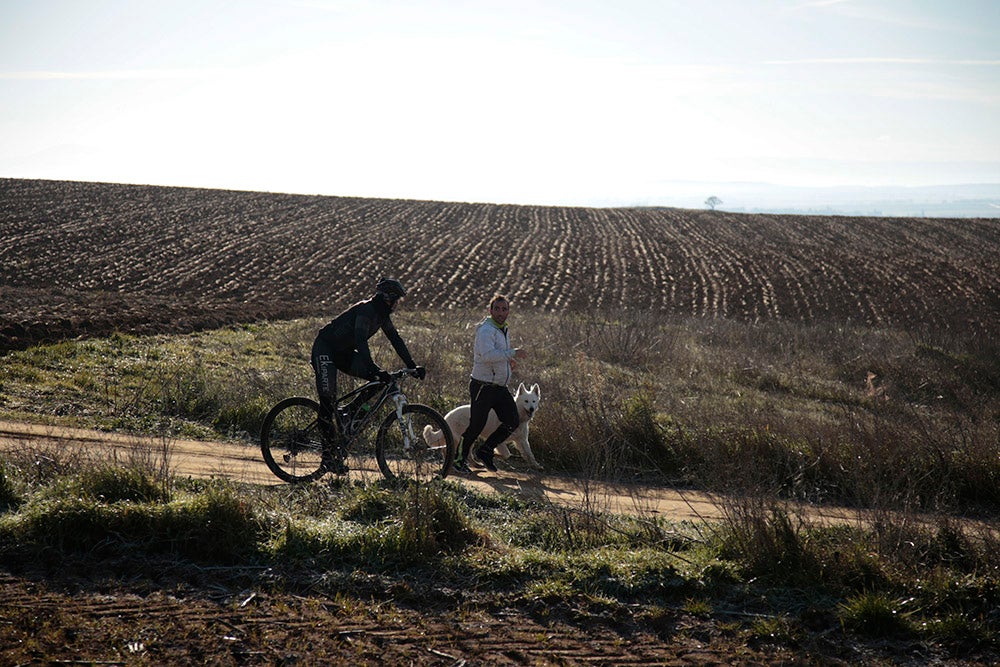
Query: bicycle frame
{"points": [[388, 390]]}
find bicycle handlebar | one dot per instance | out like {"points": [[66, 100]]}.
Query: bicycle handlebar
{"points": [[402, 373]]}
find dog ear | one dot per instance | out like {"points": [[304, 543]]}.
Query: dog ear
{"points": [[535, 390], [521, 389]]}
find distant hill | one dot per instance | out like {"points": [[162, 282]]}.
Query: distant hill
{"points": [[90, 258], [944, 201]]}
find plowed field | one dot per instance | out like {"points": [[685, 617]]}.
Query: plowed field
{"points": [[86, 258]]}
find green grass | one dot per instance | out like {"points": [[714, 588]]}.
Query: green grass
{"points": [[864, 417], [10, 496], [213, 526], [875, 615]]}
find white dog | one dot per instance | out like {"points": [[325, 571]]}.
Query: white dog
{"points": [[527, 404]]}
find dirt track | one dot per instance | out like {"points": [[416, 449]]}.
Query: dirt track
{"points": [[243, 463]]}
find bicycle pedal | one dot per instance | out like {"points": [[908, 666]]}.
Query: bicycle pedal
{"points": [[337, 467]]}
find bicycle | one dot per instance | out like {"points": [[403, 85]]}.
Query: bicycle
{"points": [[413, 441]]}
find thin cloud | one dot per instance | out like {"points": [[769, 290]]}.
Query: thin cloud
{"points": [[820, 3], [884, 61], [128, 74], [869, 12], [338, 6], [841, 6]]}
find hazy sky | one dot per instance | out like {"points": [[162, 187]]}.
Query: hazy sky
{"points": [[540, 102]]}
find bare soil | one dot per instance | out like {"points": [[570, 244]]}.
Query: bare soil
{"points": [[88, 259], [84, 621]]}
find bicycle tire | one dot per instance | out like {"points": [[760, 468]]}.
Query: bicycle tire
{"points": [[428, 455], [291, 442]]}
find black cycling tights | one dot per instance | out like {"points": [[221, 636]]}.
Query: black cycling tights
{"points": [[326, 361]]}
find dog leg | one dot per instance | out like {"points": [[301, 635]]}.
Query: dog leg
{"points": [[525, 448]]}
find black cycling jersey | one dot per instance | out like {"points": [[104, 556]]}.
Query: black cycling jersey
{"points": [[352, 329], [343, 345]]}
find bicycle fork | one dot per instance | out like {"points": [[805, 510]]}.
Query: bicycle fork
{"points": [[405, 424]]}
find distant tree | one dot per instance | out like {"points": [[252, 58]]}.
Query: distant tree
{"points": [[712, 202]]}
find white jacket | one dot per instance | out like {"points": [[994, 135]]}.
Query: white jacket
{"points": [[492, 354]]}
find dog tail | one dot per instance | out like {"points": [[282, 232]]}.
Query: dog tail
{"points": [[432, 437]]}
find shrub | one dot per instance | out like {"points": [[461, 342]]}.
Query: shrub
{"points": [[432, 523], [383, 527], [628, 338], [109, 483], [768, 541], [10, 498], [213, 526], [65, 525], [216, 525], [642, 436], [874, 615]]}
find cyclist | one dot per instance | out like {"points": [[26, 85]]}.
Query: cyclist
{"points": [[343, 345]]}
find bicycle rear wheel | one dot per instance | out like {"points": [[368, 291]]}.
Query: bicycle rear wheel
{"points": [[291, 442], [421, 447]]}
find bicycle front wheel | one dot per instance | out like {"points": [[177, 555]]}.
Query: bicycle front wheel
{"points": [[291, 442], [419, 446]]}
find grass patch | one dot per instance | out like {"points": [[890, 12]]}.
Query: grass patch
{"points": [[827, 413], [10, 496], [875, 615], [213, 526], [760, 574]]}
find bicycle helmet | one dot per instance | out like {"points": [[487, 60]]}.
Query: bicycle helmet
{"points": [[391, 287]]}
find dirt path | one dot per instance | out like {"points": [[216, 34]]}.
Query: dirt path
{"points": [[243, 463]]}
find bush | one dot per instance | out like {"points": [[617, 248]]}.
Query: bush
{"points": [[109, 483], [768, 541], [9, 496], [433, 524], [213, 526], [874, 615], [383, 527]]}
